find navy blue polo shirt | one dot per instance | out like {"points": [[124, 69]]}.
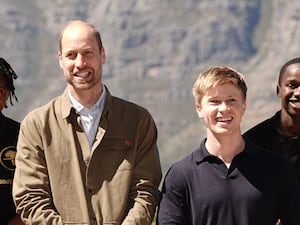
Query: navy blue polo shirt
{"points": [[258, 188]]}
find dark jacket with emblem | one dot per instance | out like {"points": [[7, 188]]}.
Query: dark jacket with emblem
{"points": [[9, 130], [60, 180]]}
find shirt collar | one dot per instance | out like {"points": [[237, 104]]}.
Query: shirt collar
{"points": [[99, 105], [201, 154]]}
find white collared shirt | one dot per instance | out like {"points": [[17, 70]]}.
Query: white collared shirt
{"points": [[90, 117]]}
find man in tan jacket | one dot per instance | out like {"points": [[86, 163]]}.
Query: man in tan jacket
{"points": [[86, 157]]}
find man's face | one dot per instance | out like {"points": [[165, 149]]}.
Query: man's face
{"points": [[222, 108], [4, 93], [289, 90], [81, 59]]}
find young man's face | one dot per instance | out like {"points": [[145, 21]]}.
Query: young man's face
{"points": [[289, 90], [222, 107]]}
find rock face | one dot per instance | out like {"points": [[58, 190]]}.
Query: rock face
{"points": [[155, 50]]}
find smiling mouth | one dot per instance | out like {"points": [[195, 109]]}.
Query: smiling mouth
{"points": [[224, 120], [82, 75], [295, 102]]}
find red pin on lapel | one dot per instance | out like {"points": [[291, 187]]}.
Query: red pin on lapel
{"points": [[127, 142]]}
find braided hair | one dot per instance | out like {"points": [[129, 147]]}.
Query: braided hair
{"points": [[9, 75]]}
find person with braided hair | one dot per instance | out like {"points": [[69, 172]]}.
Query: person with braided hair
{"points": [[9, 130]]}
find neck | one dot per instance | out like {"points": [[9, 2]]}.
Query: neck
{"points": [[289, 125], [87, 98], [225, 147]]}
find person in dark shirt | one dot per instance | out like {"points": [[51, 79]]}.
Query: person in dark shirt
{"points": [[228, 179], [281, 132], [9, 130]]}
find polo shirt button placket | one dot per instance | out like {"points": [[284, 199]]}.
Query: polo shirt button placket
{"points": [[232, 176]]}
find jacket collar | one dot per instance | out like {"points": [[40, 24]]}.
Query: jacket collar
{"points": [[67, 106]]}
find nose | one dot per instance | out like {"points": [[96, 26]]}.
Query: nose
{"points": [[79, 61], [297, 91], [223, 106]]}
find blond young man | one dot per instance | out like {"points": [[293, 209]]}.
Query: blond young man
{"points": [[228, 180]]}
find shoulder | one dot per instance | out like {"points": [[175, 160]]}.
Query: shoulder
{"points": [[127, 105], [259, 151], [42, 113], [181, 168], [188, 164], [183, 174], [119, 105], [9, 122], [267, 123], [265, 127], [123, 110], [267, 158], [9, 127]]}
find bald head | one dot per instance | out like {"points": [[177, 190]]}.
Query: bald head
{"points": [[79, 25]]}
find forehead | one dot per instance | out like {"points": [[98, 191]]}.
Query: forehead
{"points": [[223, 90], [79, 35], [293, 71]]}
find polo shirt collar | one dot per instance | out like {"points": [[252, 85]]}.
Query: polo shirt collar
{"points": [[201, 154]]}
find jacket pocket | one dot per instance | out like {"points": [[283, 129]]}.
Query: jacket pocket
{"points": [[114, 154]]}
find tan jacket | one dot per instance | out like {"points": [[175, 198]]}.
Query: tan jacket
{"points": [[59, 180]]}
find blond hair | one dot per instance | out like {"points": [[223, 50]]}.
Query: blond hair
{"points": [[215, 76]]}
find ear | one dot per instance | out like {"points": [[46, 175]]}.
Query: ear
{"points": [[59, 58], [199, 111], [103, 56], [244, 107], [277, 89]]}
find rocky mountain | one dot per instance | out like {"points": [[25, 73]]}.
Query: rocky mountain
{"points": [[155, 50]]}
